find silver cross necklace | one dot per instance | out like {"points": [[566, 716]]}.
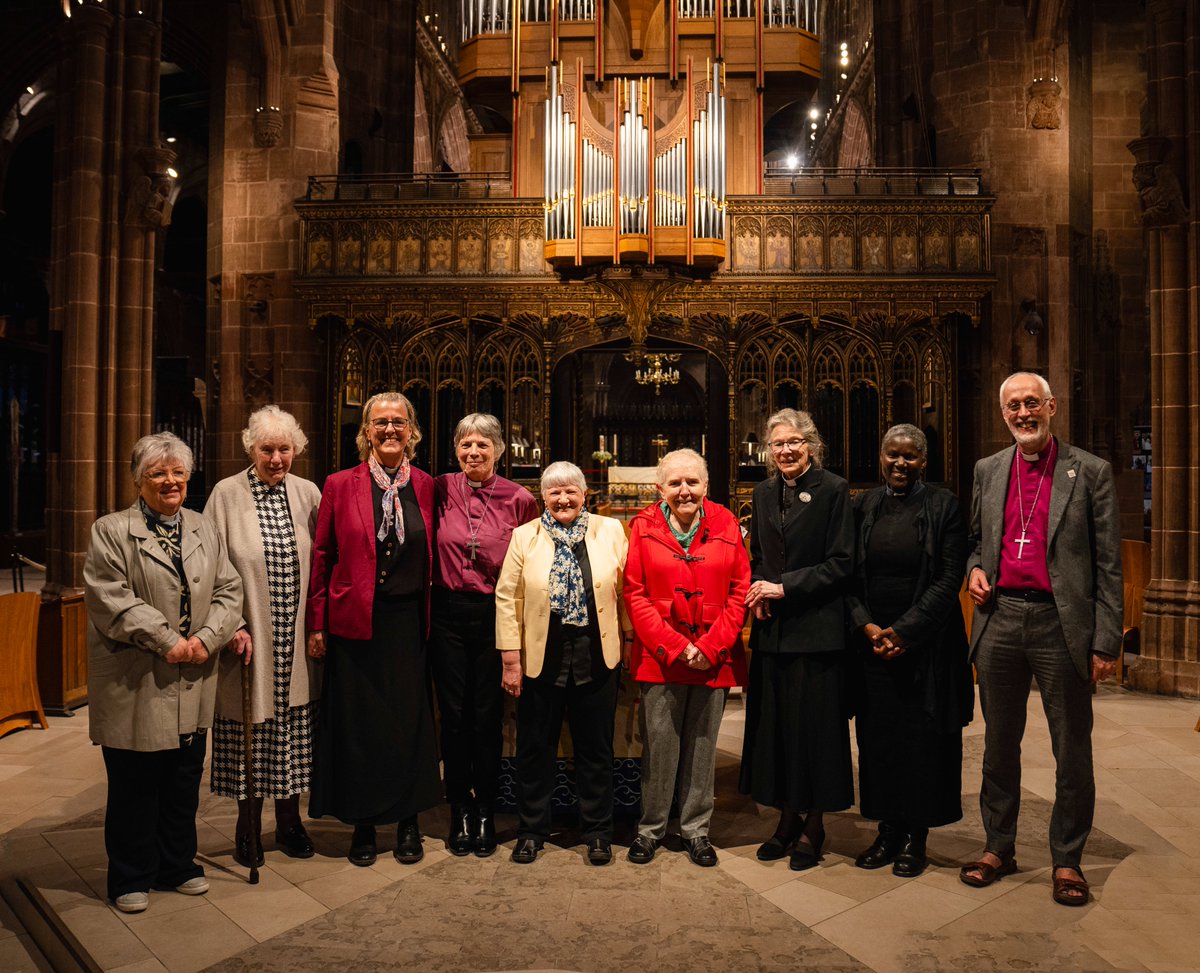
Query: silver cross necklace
{"points": [[472, 545], [1025, 521]]}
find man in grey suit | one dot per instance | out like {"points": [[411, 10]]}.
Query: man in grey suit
{"points": [[1045, 575]]}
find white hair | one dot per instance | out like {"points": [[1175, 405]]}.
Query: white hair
{"points": [[687, 458], [272, 423], [159, 447], [1040, 379], [563, 473], [480, 424]]}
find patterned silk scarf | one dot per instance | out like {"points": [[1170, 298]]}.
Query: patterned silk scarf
{"points": [[168, 531], [567, 597], [392, 513]]}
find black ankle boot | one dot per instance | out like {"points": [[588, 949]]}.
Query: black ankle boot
{"points": [[884, 849], [485, 832], [462, 829], [910, 862]]}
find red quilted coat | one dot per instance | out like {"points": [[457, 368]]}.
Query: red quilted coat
{"points": [[675, 597]]}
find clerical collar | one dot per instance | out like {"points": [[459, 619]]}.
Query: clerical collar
{"points": [[791, 483], [794, 483], [153, 514], [481, 484], [916, 488], [391, 471], [1034, 457]]}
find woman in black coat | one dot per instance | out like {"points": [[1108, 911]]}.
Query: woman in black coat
{"points": [[796, 754], [914, 691]]}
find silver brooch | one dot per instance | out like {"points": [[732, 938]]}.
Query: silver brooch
{"points": [[804, 496]]}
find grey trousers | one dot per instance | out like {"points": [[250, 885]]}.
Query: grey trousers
{"points": [[679, 734], [1024, 640]]}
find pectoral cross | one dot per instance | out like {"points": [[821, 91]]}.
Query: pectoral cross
{"points": [[472, 546], [1020, 541]]}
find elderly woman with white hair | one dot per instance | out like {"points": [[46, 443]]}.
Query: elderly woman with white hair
{"points": [[475, 512], [796, 749], [162, 600], [558, 628], [267, 516], [685, 591]]}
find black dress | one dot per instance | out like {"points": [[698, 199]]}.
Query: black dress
{"points": [[908, 729], [375, 757]]}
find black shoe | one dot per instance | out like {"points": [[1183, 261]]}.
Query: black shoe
{"points": [[484, 836], [362, 846], [408, 843], [525, 851], [462, 826], [700, 851], [641, 852], [805, 855], [295, 842], [910, 862], [775, 847], [599, 851], [241, 851], [883, 850]]}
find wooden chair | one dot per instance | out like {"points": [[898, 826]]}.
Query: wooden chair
{"points": [[20, 703], [1135, 574]]}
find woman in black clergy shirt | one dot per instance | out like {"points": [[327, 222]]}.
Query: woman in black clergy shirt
{"points": [[914, 691], [796, 754]]}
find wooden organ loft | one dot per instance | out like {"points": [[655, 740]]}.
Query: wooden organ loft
{"points": [[621, 214]]}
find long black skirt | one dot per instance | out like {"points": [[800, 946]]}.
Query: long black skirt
{"points": [[796, 749], [908, 772], [374, 755]]}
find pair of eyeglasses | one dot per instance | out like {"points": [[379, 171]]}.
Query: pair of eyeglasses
{"points": [[1031, 405], [382, 424], [160, 476], [779, 445]]}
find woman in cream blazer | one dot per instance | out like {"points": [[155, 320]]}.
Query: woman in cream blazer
{"points": [[559, 628]]}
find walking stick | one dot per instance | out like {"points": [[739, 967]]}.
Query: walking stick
{"points": [[248, 755]]}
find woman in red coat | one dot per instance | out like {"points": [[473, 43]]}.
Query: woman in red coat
{"points": [[374, 755], [686, 579]]}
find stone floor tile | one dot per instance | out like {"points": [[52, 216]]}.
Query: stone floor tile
{"points": [[101, 932], [264, 910], [335, 888], [82, 847], [18, 954], [808, 903], [207, 937]]}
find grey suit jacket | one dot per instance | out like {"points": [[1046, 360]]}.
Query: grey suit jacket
{"points": [[1083, 553]]}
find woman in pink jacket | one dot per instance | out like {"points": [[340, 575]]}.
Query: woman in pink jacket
{"points": [[686, 579]]}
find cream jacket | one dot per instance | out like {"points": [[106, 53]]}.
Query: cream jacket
{"points": [[231, 508], [523, 598], [137, 700]]}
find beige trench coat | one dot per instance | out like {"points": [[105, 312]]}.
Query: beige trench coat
{"points": [[231, 508], [136, 699]]}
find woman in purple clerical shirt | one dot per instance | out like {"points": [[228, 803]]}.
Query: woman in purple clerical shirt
{"points": [[475, 512]]}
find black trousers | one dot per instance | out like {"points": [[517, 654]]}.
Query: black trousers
{"points": [[150, 821], [466, 674], [591, 710]]}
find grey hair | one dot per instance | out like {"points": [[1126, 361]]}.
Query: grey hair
{"points": [[563, 473], [157, 448], [906, 430], [271, 422], [1043, 384], [363, 439], [803, 423], [681, 457], [481, 424]]}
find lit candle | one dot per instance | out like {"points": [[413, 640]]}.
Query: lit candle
{"points": [[614, 449], [703, 445], [602, 442]]}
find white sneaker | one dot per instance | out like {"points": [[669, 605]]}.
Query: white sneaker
{"points": [[193, 886], [133, 901]]}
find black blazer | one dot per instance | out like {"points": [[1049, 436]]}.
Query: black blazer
{"points": [[812, 555], [932, 629]]}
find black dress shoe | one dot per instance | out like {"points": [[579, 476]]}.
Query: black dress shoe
{"points": [[775, 847], [700, 851], [910, 862], [641, 852], [295, 842], [362, 846], [408, 843], [599, 851], [484, 839], [805, 855], [883, 850], [462, 827], [241, 851], [525, 851]]}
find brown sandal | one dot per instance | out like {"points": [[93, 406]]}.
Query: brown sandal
{"points": [[988, 873], [1070, 891]]}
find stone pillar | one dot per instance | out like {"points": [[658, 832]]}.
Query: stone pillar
{"points": [[1165, 168]]}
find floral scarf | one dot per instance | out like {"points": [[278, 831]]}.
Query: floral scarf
{"points": [[392, 513], [567, 597]]}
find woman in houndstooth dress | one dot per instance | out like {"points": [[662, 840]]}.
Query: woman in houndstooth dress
{"points": [[267, 516]]}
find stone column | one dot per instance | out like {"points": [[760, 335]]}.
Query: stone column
{"points": [[1164, 168]]}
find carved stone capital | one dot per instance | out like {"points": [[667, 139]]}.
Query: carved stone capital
{"points": [[1044, 108], [1162, 198], [148, 187], [268, 126]]}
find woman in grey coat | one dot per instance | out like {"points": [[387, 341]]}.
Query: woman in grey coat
{"points": [[162, 600], [267, 515]]}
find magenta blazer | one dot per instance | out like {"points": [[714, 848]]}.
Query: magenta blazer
{"points": [[342, 589]]}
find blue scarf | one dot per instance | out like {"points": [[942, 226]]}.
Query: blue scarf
{"points": [[567, 597]]}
